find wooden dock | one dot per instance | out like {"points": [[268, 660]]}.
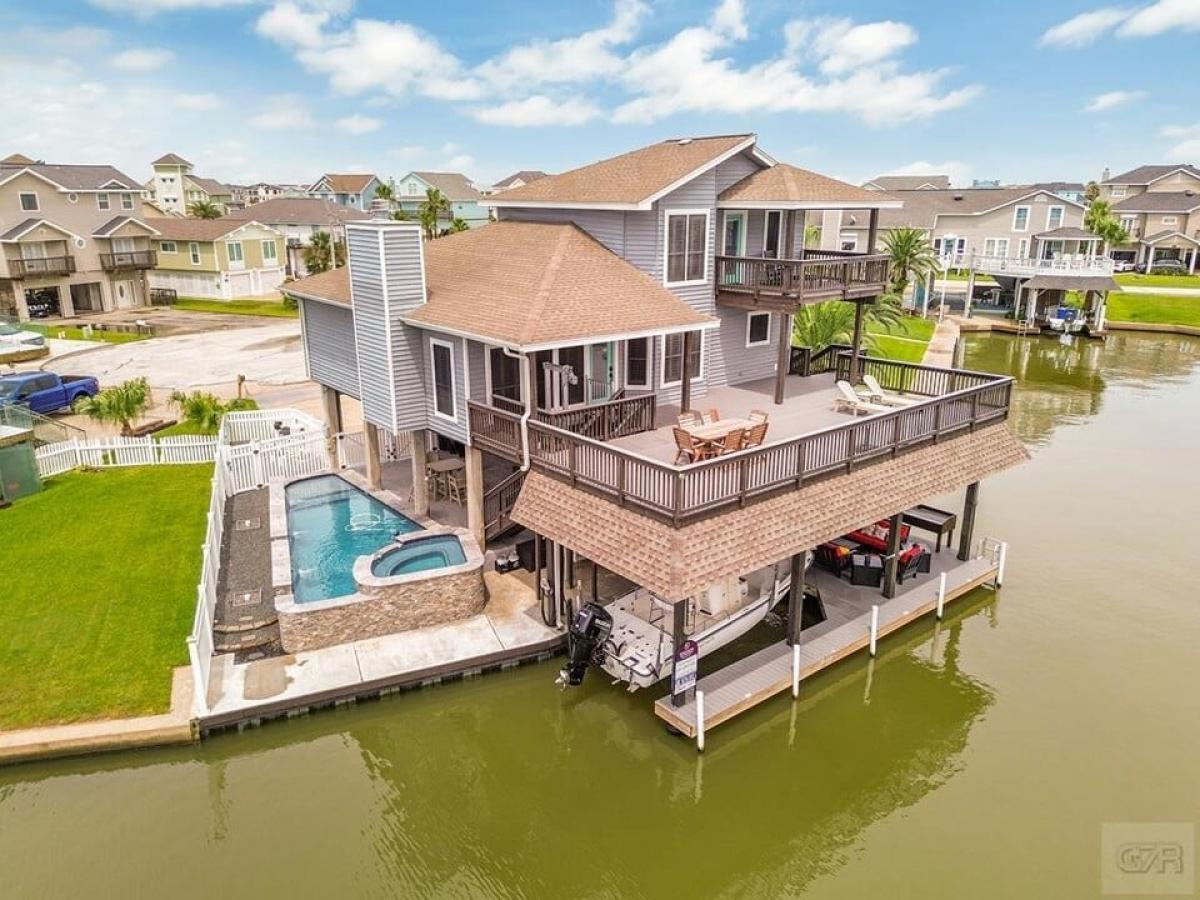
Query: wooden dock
{"points": [[758, 677]]}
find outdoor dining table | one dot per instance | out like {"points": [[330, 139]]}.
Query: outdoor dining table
{"points": [[441, 468], [714, 431]]}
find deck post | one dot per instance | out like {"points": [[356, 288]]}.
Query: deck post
{"points": [[970, 291], [685, 386], [892, 562], [552, 580], [789, 235], [475, 523], [941, 597], [872, 230], [855, 357], [967, 535], [371, 452], [331, 406], [420, 480], [874, 628], [678, 621], [803, 251], [784, 363], [539, 561], [796, 597]]}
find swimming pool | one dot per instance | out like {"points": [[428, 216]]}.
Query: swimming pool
{"points": [[330, 524], [438, 551]]}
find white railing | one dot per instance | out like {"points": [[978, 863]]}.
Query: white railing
{"points": [[352, 448], [99, 453], [1028, 266], [200, 642], [265, 424]]}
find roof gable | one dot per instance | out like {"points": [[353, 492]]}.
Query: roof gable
{"points": [[1143, 175], [343, 183], [784, 186]]}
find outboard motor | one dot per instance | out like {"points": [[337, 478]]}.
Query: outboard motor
{"points": [[585, 637]]}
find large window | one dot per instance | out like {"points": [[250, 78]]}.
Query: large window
{"points": [[758, 329], [442, 355], [995, 247], [1054, 217], [687, 243], [1021, 218], [127, 201], [672, 364], [236, 257], [29, 201], [637, 363], [268, 251]]}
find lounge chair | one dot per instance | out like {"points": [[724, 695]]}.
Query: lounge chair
{"points": [[687, 448], [688, 419], [848, 401], [757, 416], [876, 394], [710, 417], [756, 434]]}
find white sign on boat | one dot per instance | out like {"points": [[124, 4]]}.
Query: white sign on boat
{"points": [[687, 659]]}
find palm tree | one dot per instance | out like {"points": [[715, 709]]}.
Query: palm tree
{"points": [[204, 209], [323, 253], [911, 256], [121, 405], [387, 193], [820, 324], [435, 206], [204, 411], [1101, 221], [457, 225], [401, 216]]}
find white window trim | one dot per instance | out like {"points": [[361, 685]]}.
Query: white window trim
{"points": [[1170, 220], [194, 253], [750, 316], [128, 197], [1062, 216], [274, 250], [662, 363], [163, 245], [853, 235], [667, 216], [37, 202], [437, 342], [1023, 249], [102, 201], [646, 385], [1119, 191], [1028, 214], [229, 256], [744, 216], [766, 219]]}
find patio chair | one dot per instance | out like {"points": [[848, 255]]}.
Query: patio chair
{"points": [[756, 435], [757, 416], [877, 394], [687, 448], [688, 419], [710, 417], [732, 442], [848, 401], [456, 487]]}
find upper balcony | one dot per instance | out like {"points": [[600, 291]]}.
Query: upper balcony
{"points": [[130, 259], [786, 283], [626, 451], [1028, 267], [40, 266]]}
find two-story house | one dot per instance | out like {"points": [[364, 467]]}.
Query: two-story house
{"points": [[1159, 206], [222, 259], [72, 240], [516, 180], [298, 219], [175, 187], [464, 198], [612, 362], [352, 190]]}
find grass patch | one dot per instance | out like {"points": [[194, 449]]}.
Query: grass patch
{"points": [[99, 574], [192, 429], [73, 333], [271, 308], [962, 275], [898, 348], [1162, 309], [1175, 281]]}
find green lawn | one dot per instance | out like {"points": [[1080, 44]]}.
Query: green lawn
{"points": [[1154, 308], [1176, 281], [77, 334], [99, 575], [905, 342], [236, 307], [189, 428], [961, 275]]}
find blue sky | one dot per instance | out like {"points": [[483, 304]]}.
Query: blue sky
{"points": [[285, 90]]}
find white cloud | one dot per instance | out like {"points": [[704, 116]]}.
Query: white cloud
{"points": [[730, 18], [841, 46], [198, 102], [358, 124], [1162, 16], [142, 59], [144, 8], [286, 112], [538, 110], [1112, 99], [1188, 147], [1084, 28], [287, 23]]}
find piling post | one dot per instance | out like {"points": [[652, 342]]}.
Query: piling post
{"points": [[1000, 564], [874, 627], [941, 603], [700, 721], [795, 671]]}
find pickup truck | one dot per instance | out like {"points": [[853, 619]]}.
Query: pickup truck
{"points": [[45, 392]]}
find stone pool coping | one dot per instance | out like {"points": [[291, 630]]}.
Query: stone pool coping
{"points": [[365, 578]]}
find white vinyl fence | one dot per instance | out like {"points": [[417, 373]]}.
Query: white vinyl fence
{"points": [[352, 453], [266, 424], [200, 641], [98, 453]]}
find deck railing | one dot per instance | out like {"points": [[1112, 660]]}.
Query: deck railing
{"points": [[606, 421], [680, 494], [498, 502], [130, 259], [1022, 267], [851, 275], [43, 265]]}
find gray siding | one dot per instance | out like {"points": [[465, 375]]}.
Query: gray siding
{"points": [[477, 359], [329, 346], [739, 362], [457, 429], [605, 225], [734, 170], [391, 362]]}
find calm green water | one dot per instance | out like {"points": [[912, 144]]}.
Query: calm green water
{"points": [[973, 759]]}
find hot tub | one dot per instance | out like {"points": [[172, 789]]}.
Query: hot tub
{"points": [[435, 551]]}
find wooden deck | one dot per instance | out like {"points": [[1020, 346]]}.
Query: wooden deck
{"points": [[760, 676]]}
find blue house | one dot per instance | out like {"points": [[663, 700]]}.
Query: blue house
{"points": [[354, 190], [458, 189]]}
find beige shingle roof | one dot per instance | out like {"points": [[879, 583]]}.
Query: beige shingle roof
{"points": [[910, 182], [170, 159], [528, 284], [525, 175], [784, 185], [1160, 201], [197, 229], [454, 185], [678, 563], [348, 183], [299, 211], [1147, 174], [628, 179]]}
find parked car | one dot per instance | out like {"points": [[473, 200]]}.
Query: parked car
{"points": [[12, 334], [45, 392], [1169, 267], [1124, 265]]}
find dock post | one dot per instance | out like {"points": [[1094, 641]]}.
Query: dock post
{"points": [[892, 561], [874, 627], [941, 604], [967, 535], [1000, 564], [700, 721], [795, 671], [796, 598], [678, 621]]}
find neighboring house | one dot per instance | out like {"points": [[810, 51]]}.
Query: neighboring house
{"points": [[1002, 222], [174, 187], [73, 239], [465, 198], [554, 349], [355, 191], [298, 219], [516, 180], [1075, 191], [909, 183], [218, 258], [1159, 206]]}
